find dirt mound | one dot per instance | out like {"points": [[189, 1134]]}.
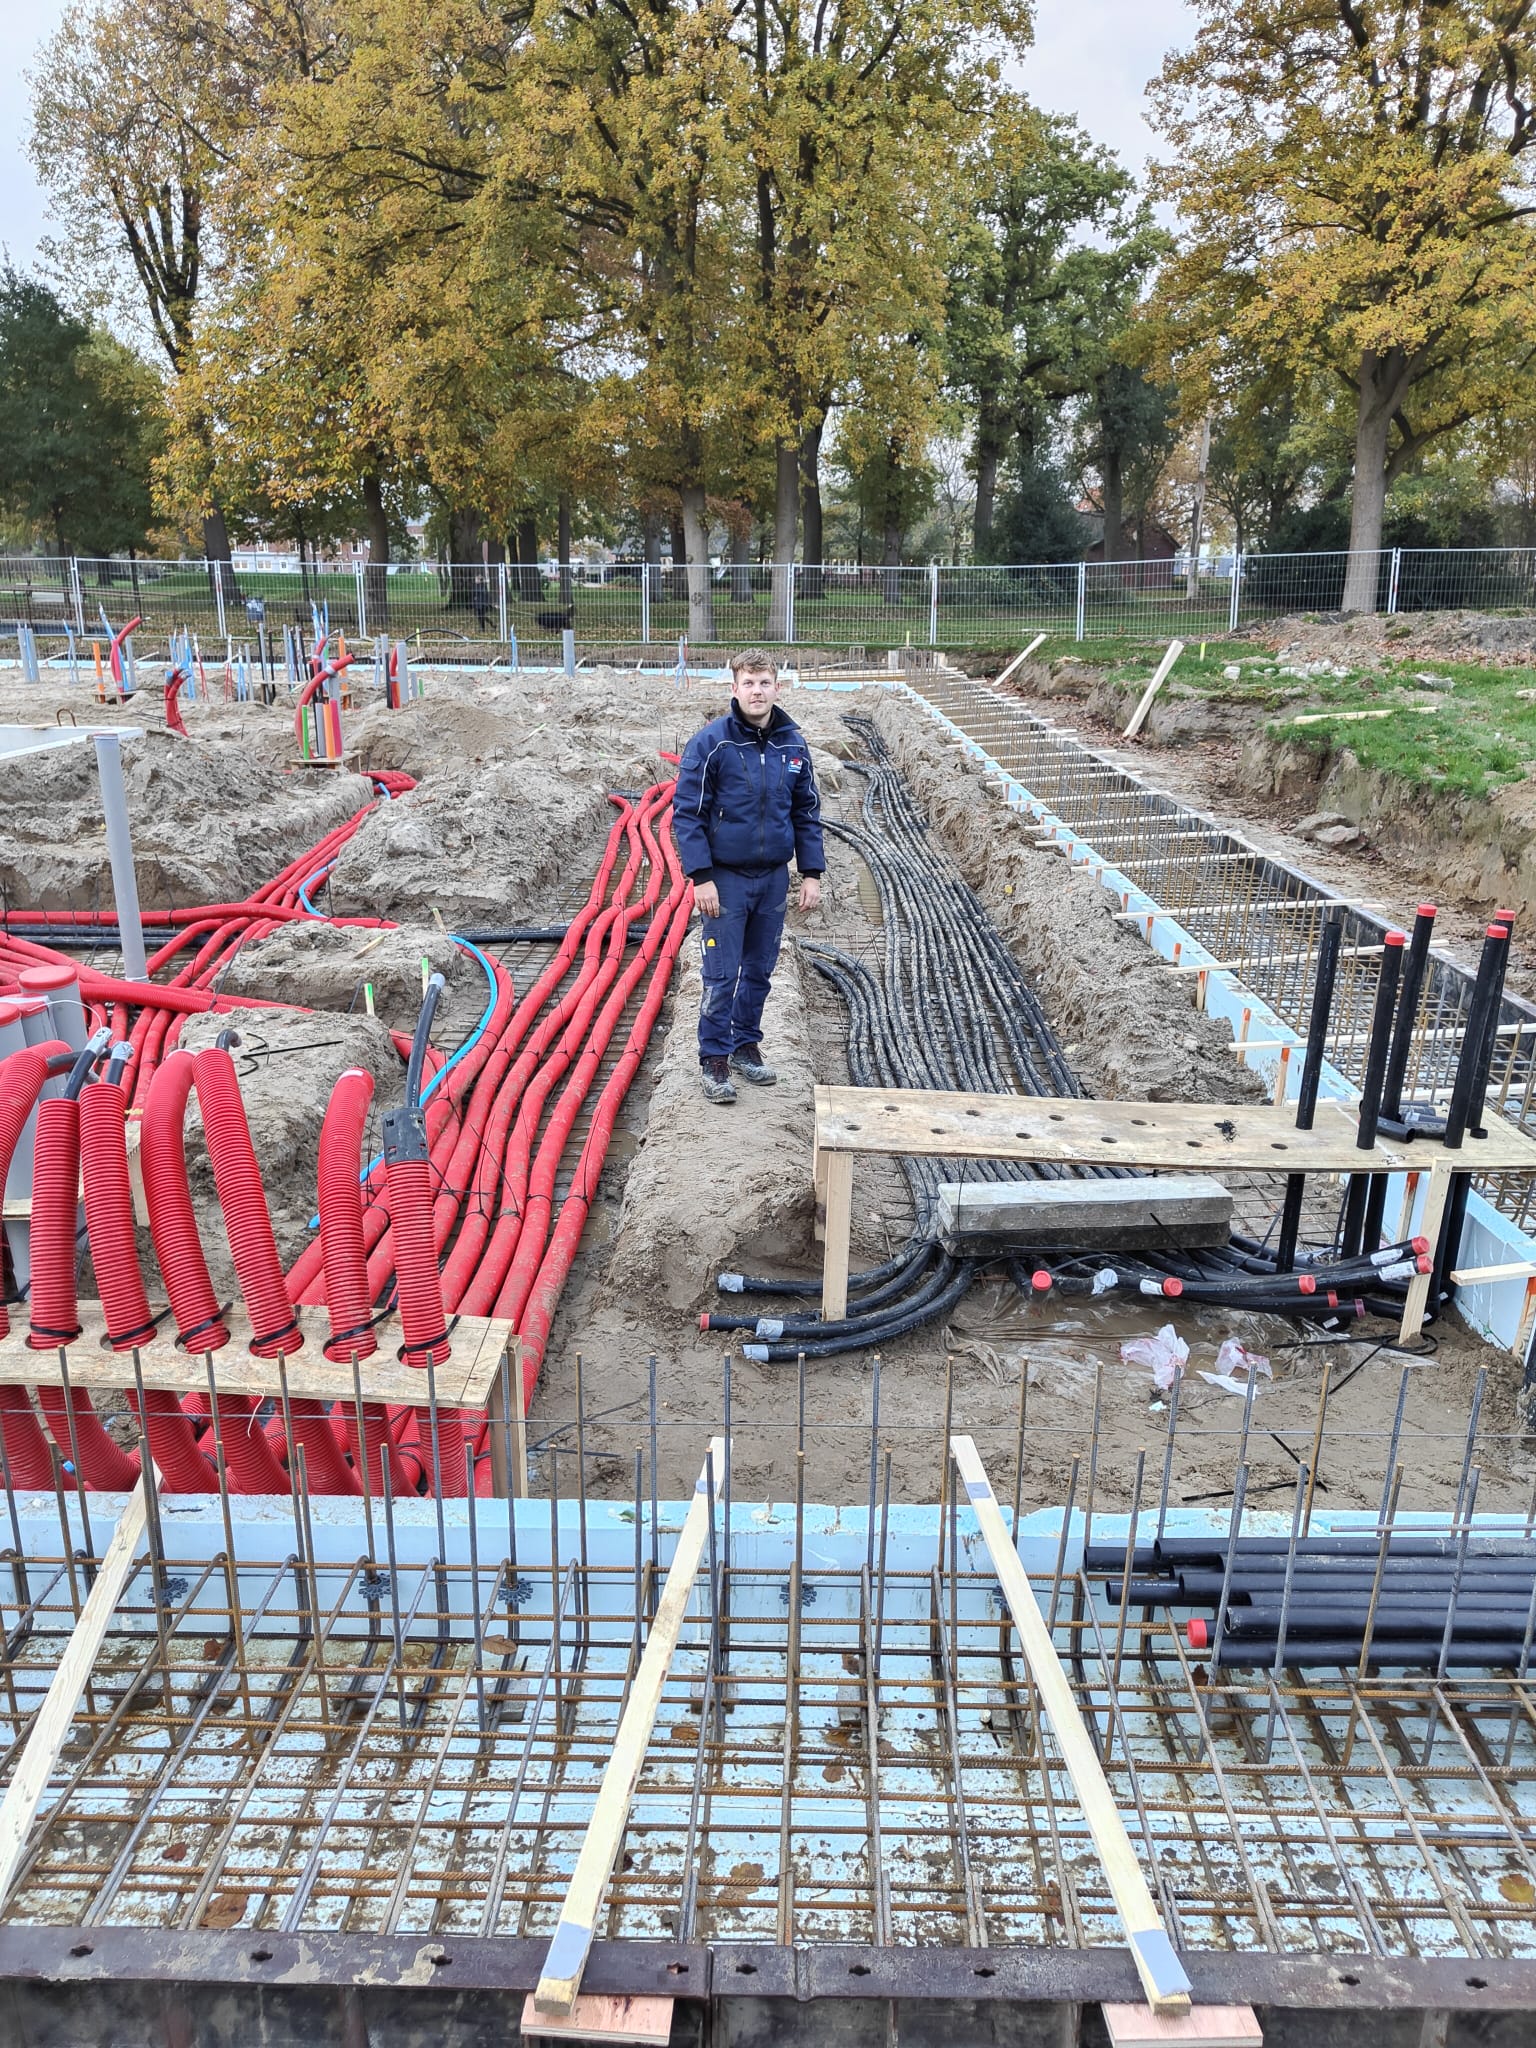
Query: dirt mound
{"points": [[1130, 1028], [209, 823], [325, 967], [287, 1067], [724, 1187], [1357, 636], [493, 845]]}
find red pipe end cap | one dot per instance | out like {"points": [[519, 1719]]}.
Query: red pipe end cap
{"points": [[1041, 1281], [1427, 910], [1503, 917], [1173, 1288], [1497, 931], [1418, 1244], [1395, 939], [704, 1320], [1424, 1263], [1199, 1634], [1307, 1283], [37, 980]]}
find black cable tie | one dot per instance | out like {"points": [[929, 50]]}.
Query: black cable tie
{"points": [[213, 1322], [275, 1336], [408, 1352], [134, 1336], [53, 1336], [357, 1330]]}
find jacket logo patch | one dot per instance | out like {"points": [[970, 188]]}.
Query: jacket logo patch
{"points": [[795, 767]]}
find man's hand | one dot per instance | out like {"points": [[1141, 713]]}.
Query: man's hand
{"points": [[810, 892], [706, 899]]}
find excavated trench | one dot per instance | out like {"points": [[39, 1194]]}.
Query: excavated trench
{"points": [[504, 829]]}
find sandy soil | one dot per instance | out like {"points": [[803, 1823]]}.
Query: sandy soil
{"points": [[510, 821]]}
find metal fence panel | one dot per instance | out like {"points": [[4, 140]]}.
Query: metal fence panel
{"points": [[629, 611]]}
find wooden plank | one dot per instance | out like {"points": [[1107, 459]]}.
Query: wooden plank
{"points": [[465, 1380], [1018, 661], [1517, 1269], [1174, 650], [1218, 1137], [50, 1729], [1162, 1974], [1206, 2026], [839, 1229], [1429, 1227], [598, 2017], [1171, 1209], [571, 1942]]}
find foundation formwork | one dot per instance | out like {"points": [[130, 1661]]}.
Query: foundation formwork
{"points": [[334, 1764]]}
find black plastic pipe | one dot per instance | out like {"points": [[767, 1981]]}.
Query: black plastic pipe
{"points": [[1353, 1239], [1311, 1071], [1415, 966]]}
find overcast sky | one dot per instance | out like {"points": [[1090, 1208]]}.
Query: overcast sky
{"points": [[1091, 58]]}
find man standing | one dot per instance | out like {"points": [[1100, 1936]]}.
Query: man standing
{"points": [[745, 803]]}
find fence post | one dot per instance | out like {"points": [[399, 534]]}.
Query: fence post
{"points": [[1082, 596], [217, 571], [933, 604], [1237, 590], [645, 603], [501, 604], [77, 595], [789, 608], [1397, 563], [360, 584]]}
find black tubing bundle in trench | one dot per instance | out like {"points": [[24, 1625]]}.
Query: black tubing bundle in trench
{"points": [[953, 1010], [1437, 1602]]}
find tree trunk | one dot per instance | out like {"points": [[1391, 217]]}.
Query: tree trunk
{"points": [[890, 579], [991, 444], [216, 553], [812, 582], [679, 579], [1383, 383], [376, 575], [564, 550], [525, 543], [1114, 503], [741, 564], [786, 507], [701, 604], [463, 555]]}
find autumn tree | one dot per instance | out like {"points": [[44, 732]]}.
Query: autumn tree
{"points": [[1354, 181]]}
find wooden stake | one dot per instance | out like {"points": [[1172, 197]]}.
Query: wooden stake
{"points": [[572, 1938], [1162, 1975], [1175, 649]]}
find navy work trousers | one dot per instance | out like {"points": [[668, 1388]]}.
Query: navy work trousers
{"points": [[740, 947]]}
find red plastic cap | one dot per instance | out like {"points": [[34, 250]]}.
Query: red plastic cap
{"points": [[1504, 917], [1307, 1282], [1497, 931], [1173, 1288], [1424, 1263], [1199, 1635], [38, 980], [1041, 1281], [10, 1013], [1427, 910], [1418, 1244], [704, 1320], [1396, 939]]}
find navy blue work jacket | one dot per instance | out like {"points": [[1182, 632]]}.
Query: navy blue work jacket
{"points": [[747, 798]]}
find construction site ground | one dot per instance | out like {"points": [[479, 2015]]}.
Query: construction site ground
{"points": [[505, 830]]}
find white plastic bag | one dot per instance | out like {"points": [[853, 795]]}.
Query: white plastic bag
{"points": [[1164, 1354], [1236, 1365]]}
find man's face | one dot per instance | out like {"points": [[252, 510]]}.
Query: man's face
{"points": [[755, 691]]}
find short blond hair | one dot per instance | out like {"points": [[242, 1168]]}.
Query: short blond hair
{"points": [[754, 658]]}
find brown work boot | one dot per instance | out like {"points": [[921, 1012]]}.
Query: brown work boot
{"points": [[715, 1080]]}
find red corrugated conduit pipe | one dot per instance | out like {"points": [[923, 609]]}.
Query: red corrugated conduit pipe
{"points": [[22, 1075]]}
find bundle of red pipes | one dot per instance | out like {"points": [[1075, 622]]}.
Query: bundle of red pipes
{"points": [[459, 1217]]}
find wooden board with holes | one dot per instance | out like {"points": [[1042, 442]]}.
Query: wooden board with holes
{"points": [[1212, 1136], [467, 1379]]}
